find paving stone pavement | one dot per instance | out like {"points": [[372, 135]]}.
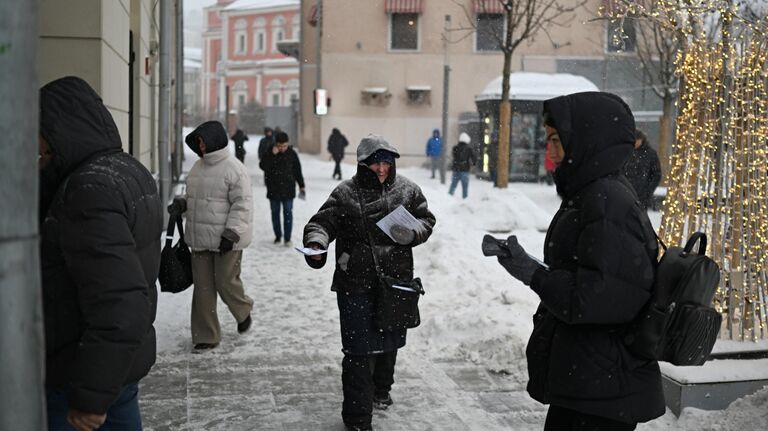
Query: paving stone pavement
{"points": [[285, 373]]}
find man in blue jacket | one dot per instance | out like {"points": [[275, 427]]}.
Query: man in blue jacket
{"points": [[434, 150]]}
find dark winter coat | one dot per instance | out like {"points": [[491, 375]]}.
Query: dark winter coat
{"points": [[100, 250], [643, 171], [336, 144], [239, 139], [341, 219], [281, 173], [463, 157], [602, 268]]}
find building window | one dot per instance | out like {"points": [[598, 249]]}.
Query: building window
{"points": [[275, 100], [241, 33], [404, 31], [259, 35], [490, 30], [274, 90], [240, 100], [621, 37], [278, 31]]}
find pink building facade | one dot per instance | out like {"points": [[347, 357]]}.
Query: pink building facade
{"points": [[241, 60]]}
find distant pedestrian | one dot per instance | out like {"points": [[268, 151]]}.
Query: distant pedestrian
{"points": [[643, 169], [336, 144], [282, 171], [100, 256], [349, 217], [463, 160], [219, 210], [239, 139], [265, 144], [434, 150]]}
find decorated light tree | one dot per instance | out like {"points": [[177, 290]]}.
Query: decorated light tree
{"points": [[718, 175]]}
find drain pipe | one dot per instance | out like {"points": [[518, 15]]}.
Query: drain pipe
{"points": [[178, 141], [164, 103]]}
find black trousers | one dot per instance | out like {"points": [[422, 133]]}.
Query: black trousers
{"points": [[562, 419], [361, 377], [337, 168]]}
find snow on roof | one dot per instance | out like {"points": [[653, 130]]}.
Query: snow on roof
{"points": [[193, 53], [375, 90], [192, 64], [260, 4], [537, 86], [418, 88]]}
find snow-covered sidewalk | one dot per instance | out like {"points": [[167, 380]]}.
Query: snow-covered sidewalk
{"points": [[463, 369]]}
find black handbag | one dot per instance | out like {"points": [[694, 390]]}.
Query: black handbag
{"points": [[396, 301], [175, 260]]}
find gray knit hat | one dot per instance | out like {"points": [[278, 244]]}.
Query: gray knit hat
{"points": [[372, 143]]}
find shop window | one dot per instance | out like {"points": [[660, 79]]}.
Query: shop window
{"points": [[404, 32]]}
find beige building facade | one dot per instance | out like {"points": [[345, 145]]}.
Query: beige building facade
{"points": [[381, 62], [114, 46]]}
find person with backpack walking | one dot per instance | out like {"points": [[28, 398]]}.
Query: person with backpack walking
{"points": [[239, 138], [219, 210], [349, 217], [434, 150], [282, 171], [463, 160], [601, 254], [266, 143], [336, 145]]}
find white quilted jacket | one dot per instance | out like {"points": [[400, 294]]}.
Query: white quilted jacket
{"points": [[219, 197]]}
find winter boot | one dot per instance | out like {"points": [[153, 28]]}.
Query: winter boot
{"points": [[382, 401], [244, 325], [359, 427], [202, 347], [277, 240]]}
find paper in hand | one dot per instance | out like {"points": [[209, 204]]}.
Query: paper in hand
{"points": [[400, 216], [310, 251]]}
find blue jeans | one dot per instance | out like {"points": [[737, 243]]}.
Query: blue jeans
{"points": [[464, 178], [287, 217], [122, 415]]}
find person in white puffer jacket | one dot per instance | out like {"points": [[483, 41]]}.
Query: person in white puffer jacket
{"points": [[219, 212]]}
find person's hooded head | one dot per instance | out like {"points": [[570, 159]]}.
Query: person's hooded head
{"points": [[335, 132], [267, 131], [464, 137], [596, 131], [74, 126], [375, 152], [436, 133], [207, 138]]}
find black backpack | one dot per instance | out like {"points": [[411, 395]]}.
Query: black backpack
{"points": [[678, 324]]}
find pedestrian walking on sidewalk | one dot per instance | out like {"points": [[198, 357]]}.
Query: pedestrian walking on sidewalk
{"points": [[266, 143], [643, 169], [601, 253], [434, 151], [282, 171], [100, 227], [369, 354], [463, 160], [239, 138], [336, 145], [219, 211]]}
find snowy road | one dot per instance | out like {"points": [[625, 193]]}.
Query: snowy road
{"points": [[463, 369]]}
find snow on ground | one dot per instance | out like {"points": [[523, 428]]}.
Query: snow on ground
{"points": [[473, 309]]}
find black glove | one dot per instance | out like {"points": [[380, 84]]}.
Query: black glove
{"points": [[178, 206], [402, 235], [225, 245], [517, 262], [495, 247]]}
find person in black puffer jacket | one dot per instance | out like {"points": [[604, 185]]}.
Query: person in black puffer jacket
{"points": [[601, 269], [100, 257], [643, 169], [369, 354], [282, 171], [463, 160]]}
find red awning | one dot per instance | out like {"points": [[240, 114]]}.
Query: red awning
{"points": [[403, 6], [488, 6]]}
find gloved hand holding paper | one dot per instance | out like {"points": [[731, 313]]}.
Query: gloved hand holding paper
{"points": [[399, 217]]}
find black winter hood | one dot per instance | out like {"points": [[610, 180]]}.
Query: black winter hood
{"points": [[597, 131], [76, 125], [213, 134]]}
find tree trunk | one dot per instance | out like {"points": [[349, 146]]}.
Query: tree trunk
{"points": [[665, 136], [505, 110]]}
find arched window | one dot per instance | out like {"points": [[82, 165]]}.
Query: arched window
{"points": [[240, 94], [278, 31], [259, 35], [296, 23], [241, 34]]}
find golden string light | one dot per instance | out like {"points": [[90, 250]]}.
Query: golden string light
{"points": [[718, 179]]}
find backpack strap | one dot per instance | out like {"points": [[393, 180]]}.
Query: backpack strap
{"points": [[699, 237]]}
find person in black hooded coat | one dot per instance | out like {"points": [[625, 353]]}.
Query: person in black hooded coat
{"points": [[601, 253], [336, 145], [100, 257]]}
